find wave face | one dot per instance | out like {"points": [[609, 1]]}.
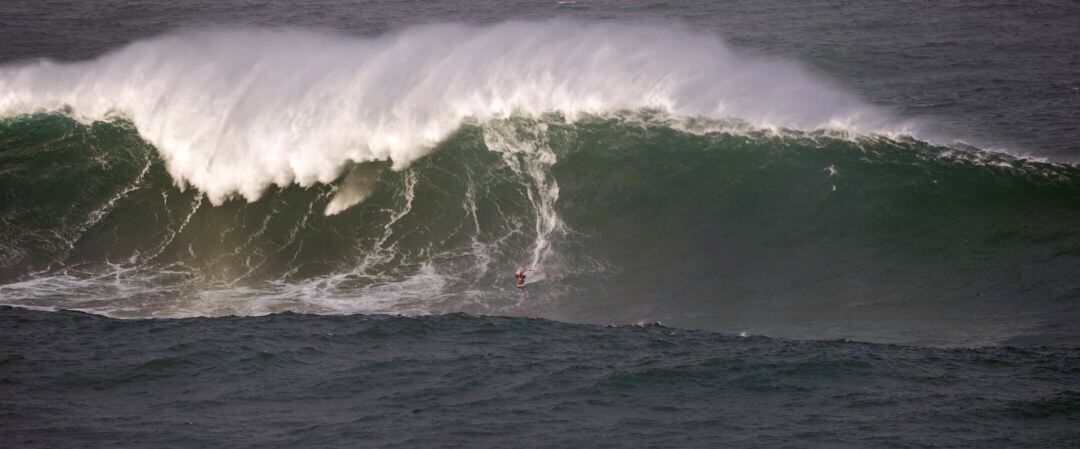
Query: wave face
{"points": [[647, 173], [233, 112], [628, 218]]}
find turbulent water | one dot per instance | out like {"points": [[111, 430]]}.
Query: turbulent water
{"points": [[652, 163]]}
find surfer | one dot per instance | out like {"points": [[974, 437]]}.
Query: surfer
{"points": [[521, 275]]}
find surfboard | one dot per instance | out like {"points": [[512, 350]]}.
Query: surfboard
{"points": [[527, 283], [530, 278]]}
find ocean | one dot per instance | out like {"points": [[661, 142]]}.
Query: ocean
{"points": [[752, 224]]}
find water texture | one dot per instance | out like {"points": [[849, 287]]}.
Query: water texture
{"points": [[461, 381]]}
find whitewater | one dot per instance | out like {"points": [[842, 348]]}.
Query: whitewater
{"points": [[233, 111]]}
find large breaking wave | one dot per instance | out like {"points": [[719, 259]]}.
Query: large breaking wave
{"points": [[648, 173]]}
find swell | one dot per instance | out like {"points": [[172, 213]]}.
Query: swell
{"points": [[235, 111], [505, 376], [629, 219]]}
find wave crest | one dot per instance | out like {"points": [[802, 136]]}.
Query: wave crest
{"points": [[235, 111]]}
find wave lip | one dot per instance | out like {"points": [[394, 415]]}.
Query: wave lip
{"points": [[235, 111]]}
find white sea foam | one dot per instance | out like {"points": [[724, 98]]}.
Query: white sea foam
{"points": [[233, 111]]}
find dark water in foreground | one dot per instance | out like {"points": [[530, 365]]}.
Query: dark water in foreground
{"points": [[73, 380]]}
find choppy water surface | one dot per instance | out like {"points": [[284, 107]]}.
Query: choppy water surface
{"points": [[461, 381]]}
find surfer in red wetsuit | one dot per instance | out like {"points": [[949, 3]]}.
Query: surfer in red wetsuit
{"points": [[521, 275]]}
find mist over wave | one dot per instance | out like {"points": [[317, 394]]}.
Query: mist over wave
{"points": [[234, 111]]}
